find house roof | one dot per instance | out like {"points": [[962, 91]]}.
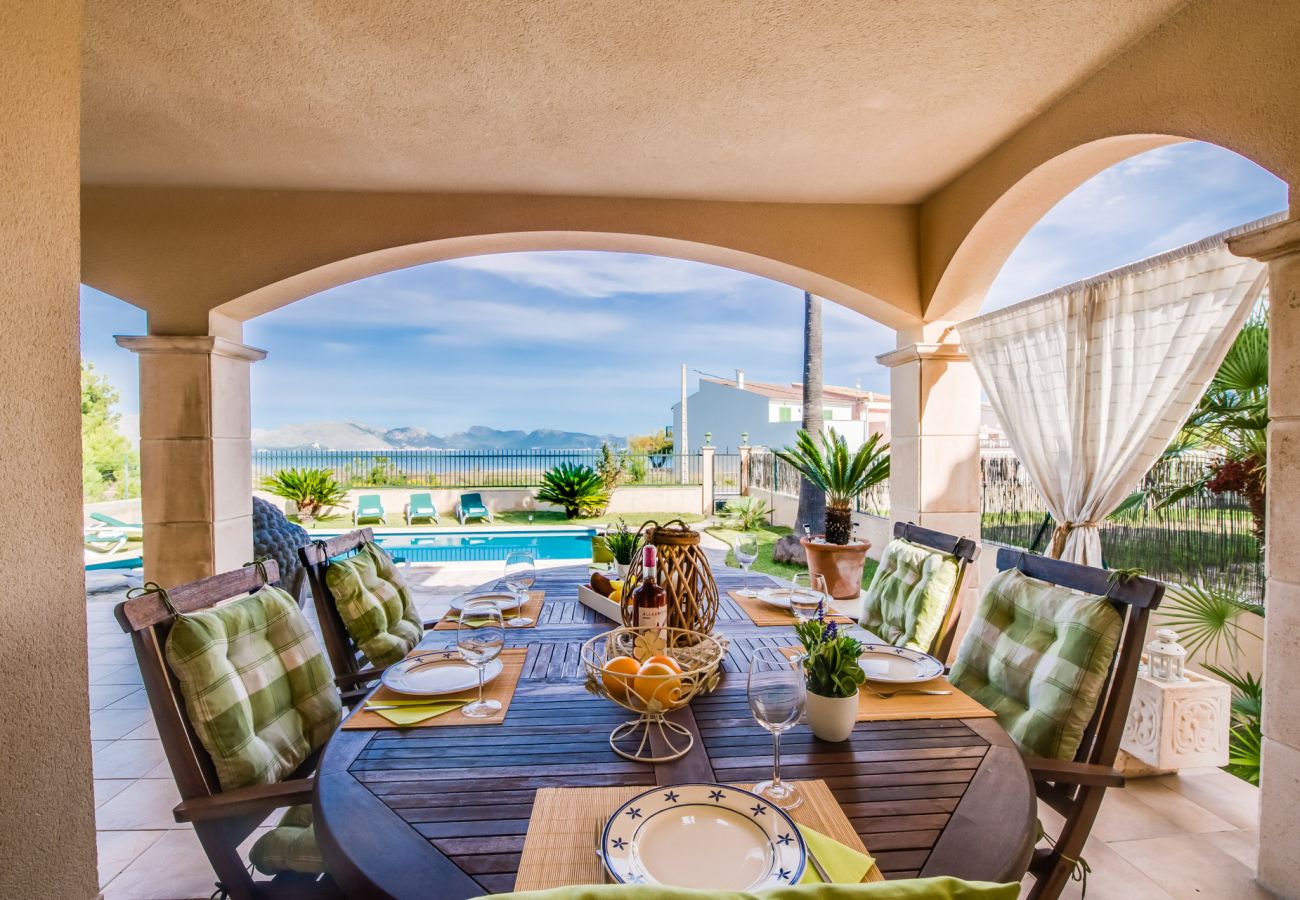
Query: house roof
{"points": [[794, 391]]}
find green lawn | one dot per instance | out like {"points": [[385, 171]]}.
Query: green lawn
{"points": [[768, 535], [513, 517]]}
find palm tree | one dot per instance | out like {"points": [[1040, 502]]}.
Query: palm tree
{"points": [[841, 475], [812, 501]]}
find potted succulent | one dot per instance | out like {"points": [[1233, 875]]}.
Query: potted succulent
{"points": [[843, 476], [830, 665], [621, 542]]}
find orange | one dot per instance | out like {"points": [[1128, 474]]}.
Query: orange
{"points": [[658, 682], [667, 661], [617, 676]]}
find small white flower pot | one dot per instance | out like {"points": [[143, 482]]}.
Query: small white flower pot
{"points": [[832, 718], [621, 568]]}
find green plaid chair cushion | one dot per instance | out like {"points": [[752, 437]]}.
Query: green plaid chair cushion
{"points": [[375, 606], [259, 692], [289, 847], [1038, 655], [908, 598]]}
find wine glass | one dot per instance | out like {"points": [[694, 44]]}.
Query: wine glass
{"points": [[806, 596], [776, 698], [479, 638], [521, 572], [746, 552]]}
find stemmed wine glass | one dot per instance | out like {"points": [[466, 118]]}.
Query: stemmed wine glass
{"points": [[807, 593], [521, 572], [776, 698], [746, 552], [479, 638]]}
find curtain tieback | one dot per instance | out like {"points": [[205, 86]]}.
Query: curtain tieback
{"points": [[1062, 532]]}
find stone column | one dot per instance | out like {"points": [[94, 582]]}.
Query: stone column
{"points": [[195, 454], [706, 479], [1279, 796]]}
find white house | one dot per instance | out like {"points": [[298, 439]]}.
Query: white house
{"points": [[770, 414]]}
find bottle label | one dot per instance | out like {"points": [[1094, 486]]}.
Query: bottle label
{"points": [[652, 617]]}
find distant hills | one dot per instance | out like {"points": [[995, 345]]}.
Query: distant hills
{"points": [[358, 436]]}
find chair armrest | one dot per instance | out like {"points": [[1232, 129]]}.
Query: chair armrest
{"points": [[353, 679], [1083, 774], [260, 799], [352, 698]]}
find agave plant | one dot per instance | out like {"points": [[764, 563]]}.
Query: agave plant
{"points": [[312, 490], [745, 513], [575, 487], [842, 475]]}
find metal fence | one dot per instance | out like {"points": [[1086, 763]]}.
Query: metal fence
{"points": [[1208, 540], [726, 474], [467, 468]]}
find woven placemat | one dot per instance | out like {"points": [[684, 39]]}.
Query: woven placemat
{"points": [[874, 708], [560, 847], [532, 608], [765, 614], [501, 688]]}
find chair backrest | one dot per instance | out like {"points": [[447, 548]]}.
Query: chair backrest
{"points": [[966, 552], [369, 501], [468, 500], [422, 501], [1133, 599], [148, 620], [344, 655]]}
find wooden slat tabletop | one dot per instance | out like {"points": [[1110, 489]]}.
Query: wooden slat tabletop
{"points": [[400, 812]]}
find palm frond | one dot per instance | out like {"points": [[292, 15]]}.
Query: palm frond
{"points": [[1206, 619]]}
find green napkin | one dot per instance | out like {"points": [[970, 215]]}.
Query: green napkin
{"points": [[412, 712], [844, 864]]}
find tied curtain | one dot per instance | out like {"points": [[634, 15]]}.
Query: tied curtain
{"points": [[1092, 381]]}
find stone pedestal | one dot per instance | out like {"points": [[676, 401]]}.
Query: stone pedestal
{"points": [[195, 455], [1176, 725], [706, 480]]}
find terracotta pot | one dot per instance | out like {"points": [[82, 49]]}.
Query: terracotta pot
{"points": [[840, 564], [832, 718]]}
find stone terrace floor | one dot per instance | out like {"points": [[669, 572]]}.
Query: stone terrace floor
{"points": [[1191, 835]]}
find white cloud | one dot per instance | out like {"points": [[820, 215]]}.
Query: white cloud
{"points": [[600, 274]]}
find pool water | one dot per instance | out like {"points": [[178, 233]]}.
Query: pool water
{"points": [[481, 546]]}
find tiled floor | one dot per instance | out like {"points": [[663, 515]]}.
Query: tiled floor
{"points": [[1186, 836]]}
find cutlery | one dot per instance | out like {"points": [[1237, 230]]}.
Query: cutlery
{"points": [[413, 706], [885, 695], [821, 870]]}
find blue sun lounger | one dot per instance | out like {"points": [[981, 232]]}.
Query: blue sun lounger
{"points": [[471, 506]]}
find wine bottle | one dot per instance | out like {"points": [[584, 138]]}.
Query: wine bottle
{"points": [[649, 599]]}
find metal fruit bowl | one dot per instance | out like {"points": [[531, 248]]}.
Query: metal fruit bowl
{"points": [[651, 696]]}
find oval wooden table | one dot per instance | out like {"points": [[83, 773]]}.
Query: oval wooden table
{"points": [[443, 811]]}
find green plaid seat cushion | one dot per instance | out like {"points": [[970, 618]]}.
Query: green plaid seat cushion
{"points": [[375, 606], [908, 598], [1037, 655], [290, 846], [259, 692]]}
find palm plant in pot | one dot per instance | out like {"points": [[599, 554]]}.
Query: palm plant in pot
{"points": [[830, 664], [830, 467]]}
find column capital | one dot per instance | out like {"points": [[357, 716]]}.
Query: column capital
{"points": [[201, 344], [922, 351], [1273, 242]]}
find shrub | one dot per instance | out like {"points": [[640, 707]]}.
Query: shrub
{"points": [[313, 490], [745, 514], [622, 543], [575, 487]]}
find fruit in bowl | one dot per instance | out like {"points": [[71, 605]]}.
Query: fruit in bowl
{"points": [[617, 676], [659, 683]]}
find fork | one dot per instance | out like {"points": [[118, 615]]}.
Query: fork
{"points": [[885, 695]]}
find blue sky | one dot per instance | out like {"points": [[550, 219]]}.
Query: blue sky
{"points": [[594, 341]]}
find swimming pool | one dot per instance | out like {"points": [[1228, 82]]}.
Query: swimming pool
{"points": [[486, 546]]}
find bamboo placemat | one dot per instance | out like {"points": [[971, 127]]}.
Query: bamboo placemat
{"points": [[764, 614], [874, 708], [501, 688], [532, 608], [559, 849]]}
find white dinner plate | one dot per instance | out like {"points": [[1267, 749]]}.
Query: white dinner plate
{"points": [[708, 836], [778, 597], [505, 602], [435, 673], [897, 665]]}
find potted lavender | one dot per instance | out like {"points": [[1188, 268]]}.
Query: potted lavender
{"points": [[830, 665]]}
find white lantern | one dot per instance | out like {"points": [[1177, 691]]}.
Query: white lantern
{"points": [[1166, 657]]}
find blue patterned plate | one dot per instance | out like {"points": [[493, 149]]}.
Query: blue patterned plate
{"points": [[709, 836], [898, 665]]}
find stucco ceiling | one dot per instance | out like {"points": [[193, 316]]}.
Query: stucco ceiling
{"points": [[820, 101]]}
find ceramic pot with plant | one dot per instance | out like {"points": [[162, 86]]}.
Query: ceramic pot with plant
{"points": [[830, 665], [621, 542], [830, 467]]}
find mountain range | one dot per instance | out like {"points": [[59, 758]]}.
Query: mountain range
{"points": [[359, 436]]}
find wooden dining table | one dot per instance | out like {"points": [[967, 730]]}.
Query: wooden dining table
{"points": [[442, 812]]}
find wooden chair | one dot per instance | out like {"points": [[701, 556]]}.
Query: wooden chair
{"points": [[966, 551], [1075, 788], [344, 655], [222, 819]]}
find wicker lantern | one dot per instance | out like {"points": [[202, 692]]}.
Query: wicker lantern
{"points": [[683, 573]]}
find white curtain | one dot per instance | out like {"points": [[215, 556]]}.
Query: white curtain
{"points": [[1092, 381]]}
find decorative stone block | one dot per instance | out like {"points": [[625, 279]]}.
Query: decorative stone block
{"points": [[1177, 725]]}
